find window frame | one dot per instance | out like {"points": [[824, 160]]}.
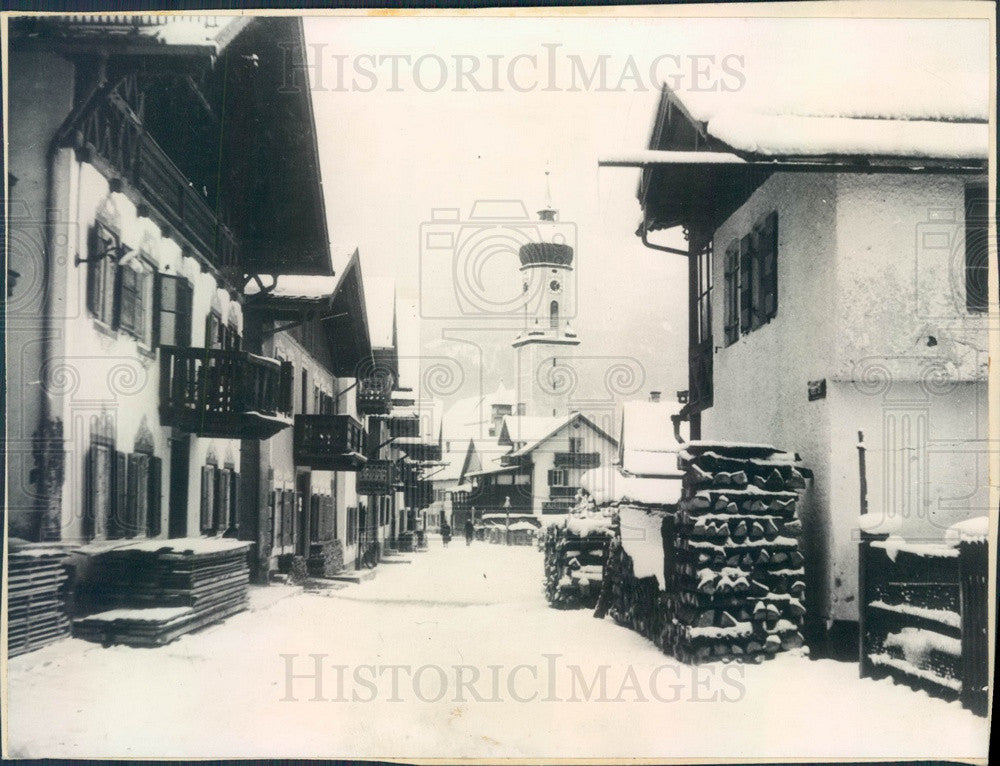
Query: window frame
{"points": [[141, 327], [102, 274]]}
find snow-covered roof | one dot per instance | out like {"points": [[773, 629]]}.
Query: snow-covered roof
{"points": [[472, 416], [212, 33], [915, 88], [298, 286], [530, 431], [647, 446]]}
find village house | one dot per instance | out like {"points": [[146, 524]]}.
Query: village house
{"points": [[134, 384], [837, 292]]}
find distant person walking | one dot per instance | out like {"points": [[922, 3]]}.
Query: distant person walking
{"points": [[446, 533], [470, 531]]}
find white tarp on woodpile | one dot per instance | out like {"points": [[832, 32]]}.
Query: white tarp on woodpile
{"points": [[642, 540]]}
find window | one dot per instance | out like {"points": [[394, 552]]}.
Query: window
{"points": [[136, 301], [288, 517], [352, 525], [213, 330], [758, 276], [232, 339], [102, 272], [558, 478], [700, 345], [746, 284], [576, 444], [304, 400], [732, 295], [173, 314], [315, 508], [554, 315], [977, 230]]}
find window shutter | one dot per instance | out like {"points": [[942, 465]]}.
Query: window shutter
{"points": [[769, 266], [157, 287], [155, 504], [119, 501], [130, 519], [223, 500], [184, 302], [207, 496], [285, 387], [92, 526], [746, 257], [288, 523], [234, 502], [731, 297], [94, 272], [977, 248]]}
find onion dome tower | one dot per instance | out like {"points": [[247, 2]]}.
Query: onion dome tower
{"points": [[545, 344]]}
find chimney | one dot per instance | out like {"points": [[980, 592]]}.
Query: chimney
{"points": [[522, 408], [654, 396]]}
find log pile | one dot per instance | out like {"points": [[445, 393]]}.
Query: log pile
{"points": [[738, 578], [36, 607], [633, 602], [574, 559], [149, 593]]}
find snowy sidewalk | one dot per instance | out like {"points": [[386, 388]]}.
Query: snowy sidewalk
{"points": [[456, 654]]}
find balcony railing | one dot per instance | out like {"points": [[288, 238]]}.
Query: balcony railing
{"points": [[376, 478], [406, 427], [106, 130], [568, 493], [329, 442], [375, 395], [556, 506], [578, 459], [222, 393]]}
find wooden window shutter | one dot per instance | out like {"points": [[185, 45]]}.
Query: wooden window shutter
{"points": [[285, 387], [732, 296], [746, 275], [278, 511], [96, 499], [207, 496], [94, 272], [130, 519], [119, 504], [128, 291], [185, 295], [769, 266], [289, 520], [223, 500], [155, 504], [157, 287]]}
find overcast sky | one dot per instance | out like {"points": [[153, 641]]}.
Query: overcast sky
{"points": [[403, 131]]}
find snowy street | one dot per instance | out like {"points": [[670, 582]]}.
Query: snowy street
{"points": [[456, 623]]}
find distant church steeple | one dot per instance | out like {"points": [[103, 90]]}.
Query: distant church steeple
{"points": [[548, 287]]}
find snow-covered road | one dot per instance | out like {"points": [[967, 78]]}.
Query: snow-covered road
{"points": [[455, 654]]}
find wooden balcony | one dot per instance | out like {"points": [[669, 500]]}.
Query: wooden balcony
{"points": [[106, 132], [375, 395], [562, 493], [329, 442], [376, 478], [577, 459], [224, 394], [404, 426]]}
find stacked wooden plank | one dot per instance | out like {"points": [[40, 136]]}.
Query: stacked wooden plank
{"points": [[738, 578], [911, 613], [151, 592], [575, 549], [36, 613]]}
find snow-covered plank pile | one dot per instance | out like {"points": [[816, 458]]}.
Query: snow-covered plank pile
{"points": [[575, 549], [924, 612], [738, 578], [36, 607], [149, 593]]}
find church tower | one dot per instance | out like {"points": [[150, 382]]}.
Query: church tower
{"points": [[544, 347]]}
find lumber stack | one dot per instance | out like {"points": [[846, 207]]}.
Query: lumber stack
{"points": [[36, 613], [738, 578], [575, 550], [151, 592]]}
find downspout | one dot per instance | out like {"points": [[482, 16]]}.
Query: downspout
{"points": [[643, 232]]}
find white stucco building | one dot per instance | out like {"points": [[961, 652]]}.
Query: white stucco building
{"points": [[838, 285]]}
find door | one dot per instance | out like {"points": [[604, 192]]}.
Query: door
{"points": [[180, 447]]}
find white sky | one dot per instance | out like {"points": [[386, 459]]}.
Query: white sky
{"points": [[390, 156]]}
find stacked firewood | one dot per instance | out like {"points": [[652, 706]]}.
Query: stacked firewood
{"points": [[738, 579], [574, 559], [636, 603], [149, 593], [36, 609]]}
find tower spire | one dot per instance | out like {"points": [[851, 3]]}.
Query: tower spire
{"points": [[548, 213]]}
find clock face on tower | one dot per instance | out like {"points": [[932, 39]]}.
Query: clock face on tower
{"points": [[554, 285]]}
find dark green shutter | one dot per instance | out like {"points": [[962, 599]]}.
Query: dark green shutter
{"points": [[155, 504]]}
